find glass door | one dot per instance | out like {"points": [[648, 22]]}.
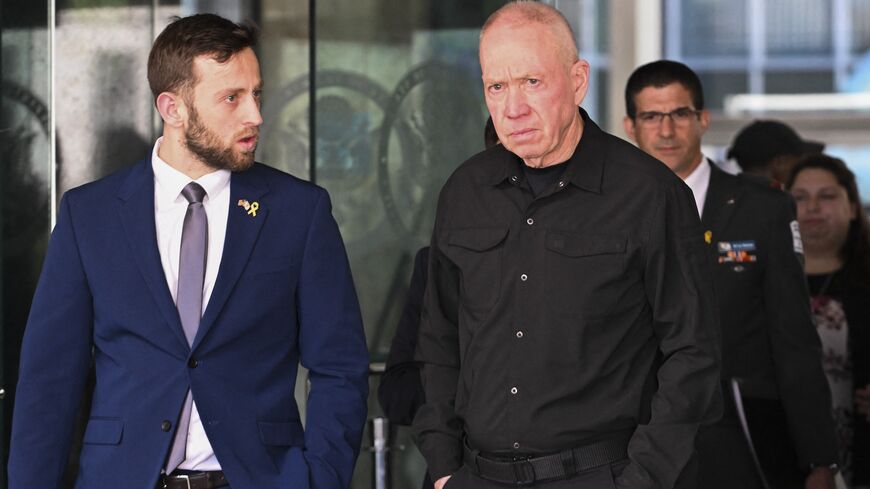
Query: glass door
{"points": [[26, 176]]}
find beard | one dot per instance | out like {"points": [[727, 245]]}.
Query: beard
{"points": [[203, 143]]}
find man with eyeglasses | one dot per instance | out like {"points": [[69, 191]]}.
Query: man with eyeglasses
{"points": [[770, 345]]}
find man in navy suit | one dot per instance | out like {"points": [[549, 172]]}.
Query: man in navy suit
{"points": [[193, 284]]}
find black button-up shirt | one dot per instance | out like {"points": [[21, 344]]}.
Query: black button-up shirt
{"points": [[553, 321]]}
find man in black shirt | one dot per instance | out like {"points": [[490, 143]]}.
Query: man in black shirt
{"points": [[568, 336], [769, 343]]}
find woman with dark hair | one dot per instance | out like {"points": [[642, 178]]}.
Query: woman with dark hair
{"points": [[836, 244]]}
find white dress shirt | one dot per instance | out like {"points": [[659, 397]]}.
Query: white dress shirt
{"points": [[699, 182], [169, 210]]}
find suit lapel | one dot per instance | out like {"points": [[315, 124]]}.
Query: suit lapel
{"points": [[722, 199], [137, 217], [243, 228]]}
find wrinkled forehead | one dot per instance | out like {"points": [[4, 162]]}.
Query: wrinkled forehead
{"points": [[517, 48], [549, 28]]}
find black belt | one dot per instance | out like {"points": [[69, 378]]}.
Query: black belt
{"points": [[193, 480], [527, 470]]}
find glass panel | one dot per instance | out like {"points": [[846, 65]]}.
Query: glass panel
{"points": [[798, 26], [711, 27], [284, 62], [603, 31], [104, 106], [799, 82], [399, 106], [25, 182], [588, 19], [859, 75], [717, 85], [861, 28]]}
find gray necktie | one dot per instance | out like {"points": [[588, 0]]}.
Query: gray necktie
{"points": [[188, 297]]}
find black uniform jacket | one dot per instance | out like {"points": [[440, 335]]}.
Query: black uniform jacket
{"points": [[543, 317], [769, 342]]}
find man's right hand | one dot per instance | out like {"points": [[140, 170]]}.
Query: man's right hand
{"points": [[440, 483]]}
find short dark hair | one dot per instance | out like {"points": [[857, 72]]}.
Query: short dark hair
{"points": [[855, 251], [661, 74], [170, 64]]}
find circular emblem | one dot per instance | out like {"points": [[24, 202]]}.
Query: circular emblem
{"points": [[24, 133], [350, 109], [432, 123]]}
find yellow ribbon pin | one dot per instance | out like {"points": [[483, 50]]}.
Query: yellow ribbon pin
{"points": [[253, 209], [708, 237]]}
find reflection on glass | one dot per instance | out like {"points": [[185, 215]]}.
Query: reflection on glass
{"points": [[24, 181], [398, 107]]}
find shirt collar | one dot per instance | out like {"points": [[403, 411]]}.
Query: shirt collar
{"points": [[699, 182], [168, 182], [585, 166], [700, 176]]}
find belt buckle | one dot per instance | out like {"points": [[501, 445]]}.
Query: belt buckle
{"points": [[518, 464], [184, 477]]}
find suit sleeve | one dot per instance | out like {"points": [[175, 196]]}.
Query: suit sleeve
{"points": [[437, 428], [55, 361], [333, 348], [795, 344], [678, 286]]}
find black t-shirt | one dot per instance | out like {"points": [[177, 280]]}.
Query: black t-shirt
{"points": [[543, 179]]}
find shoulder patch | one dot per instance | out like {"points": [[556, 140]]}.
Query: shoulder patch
{"points": [[796, 238]]}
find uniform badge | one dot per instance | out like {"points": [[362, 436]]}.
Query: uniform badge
{"points": [[737, 251], [708, 237], [796, 238]]}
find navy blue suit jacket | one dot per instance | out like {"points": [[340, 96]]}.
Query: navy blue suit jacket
{"points": [[283, 295]]}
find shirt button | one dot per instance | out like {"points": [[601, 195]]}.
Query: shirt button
{"points": [[561, 184], [514, 178], [165, 425], [514, 390], [519, 334], [516, 445], [530, 221], [524, 277]]}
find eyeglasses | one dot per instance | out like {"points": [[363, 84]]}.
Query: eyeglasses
{"points": [[680, 117]]}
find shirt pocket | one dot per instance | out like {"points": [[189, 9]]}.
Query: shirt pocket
{"points": [[478, 252], [586, 272]]}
